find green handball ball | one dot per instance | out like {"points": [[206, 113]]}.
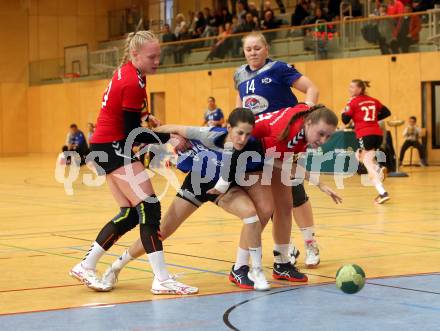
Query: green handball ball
{"points": [[350, 278]]}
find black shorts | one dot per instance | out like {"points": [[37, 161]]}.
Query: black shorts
{"points": [[112, 156], [195, 192], [369, 143]]}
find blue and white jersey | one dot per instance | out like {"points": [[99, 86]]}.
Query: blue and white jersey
{"points": [[268, 88], [215, 115], [207, 152]]}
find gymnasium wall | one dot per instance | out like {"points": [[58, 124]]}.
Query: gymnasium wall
{"points": [[397, 84], [13, 78]]}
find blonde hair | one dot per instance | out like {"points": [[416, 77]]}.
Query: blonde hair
{"points": [[255, 34], [134, 41], [362, 84]]}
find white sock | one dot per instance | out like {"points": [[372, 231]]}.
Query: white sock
{"points": [[283, 249], [122, 261], [256, 255], [380, 188], [308, 234], [157, 262], [93, 255], [242, 258]]}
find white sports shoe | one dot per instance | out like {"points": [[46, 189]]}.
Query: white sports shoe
{"points": [[312, 255], [172, 286], [89, 278], [293, 254], [110, 277], [260, 282]]}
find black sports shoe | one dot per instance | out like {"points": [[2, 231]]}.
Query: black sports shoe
{"points": [[286, 271], [240, 277], [381, 198]]}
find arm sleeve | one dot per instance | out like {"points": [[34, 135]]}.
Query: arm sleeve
{"points": [[384, 112], [132, 121], [345, 118]]}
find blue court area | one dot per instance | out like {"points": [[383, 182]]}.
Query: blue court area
{"points": [[397, 303]]}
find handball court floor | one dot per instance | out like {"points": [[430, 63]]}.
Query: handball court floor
{"points": [[44, 232]]}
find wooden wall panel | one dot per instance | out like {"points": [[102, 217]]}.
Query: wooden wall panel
{"points": [[405, 89], [14, 118], [321, 73], [67, 8], [47, 37], [1, 123], [172, 97], [344, 70], [376, 70], [47, 7], [67, 36], [430, 66], [34, 120], [86, 7]]}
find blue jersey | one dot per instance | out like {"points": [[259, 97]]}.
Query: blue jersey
{"points": [[268, 88], [215, 115], [207, 152]]}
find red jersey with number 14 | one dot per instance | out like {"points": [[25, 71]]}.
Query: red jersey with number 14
{"points": [[268, 128], [363, 110], [125, 92]]}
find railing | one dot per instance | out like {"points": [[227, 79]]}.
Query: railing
{"points": [[322, 40]]}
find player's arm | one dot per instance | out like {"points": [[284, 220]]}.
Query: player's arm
{"points": [[384, 112], [298, 171], [238, 102], [306, 86], [132, 120]]}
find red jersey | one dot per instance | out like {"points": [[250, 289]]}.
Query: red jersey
{"points": [[268, 128], [363, 110], [125, 92]]}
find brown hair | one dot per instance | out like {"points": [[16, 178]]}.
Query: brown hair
{"points": [[241, 115], [362, 84], [134, 41], [314, 114]]}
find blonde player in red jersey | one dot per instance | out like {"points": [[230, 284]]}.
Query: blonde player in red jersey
{"points": [[121, 108], [366, 111]]}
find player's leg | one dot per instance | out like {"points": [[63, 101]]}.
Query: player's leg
{"points": [[303, 215], [134, 183], [237, 202], [176, 214], [124, 221], [281, 230]]}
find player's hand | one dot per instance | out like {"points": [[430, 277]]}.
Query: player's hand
{"points": [[214, 191], [332, 194], [179, 143], [153, 121]]}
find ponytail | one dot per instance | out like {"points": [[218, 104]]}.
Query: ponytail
{"points": [[315, 114]]}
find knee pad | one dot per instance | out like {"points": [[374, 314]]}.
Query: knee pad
{"points": [[126, 220], [299, 195], [120, 224], [149, 224], [149, 212]]}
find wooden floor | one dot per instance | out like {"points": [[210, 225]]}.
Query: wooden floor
{"points": [[44, 232]]}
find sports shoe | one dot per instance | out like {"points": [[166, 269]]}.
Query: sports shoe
{"points": [[293, 254], [89, 278], [312, 254], [257, 276], [110, 277], [383, 172], [171, 286], [381, 198], [240, 277], [286, 271]]}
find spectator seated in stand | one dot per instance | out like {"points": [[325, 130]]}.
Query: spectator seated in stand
{"points": [[412, 135], [76, 142]]}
